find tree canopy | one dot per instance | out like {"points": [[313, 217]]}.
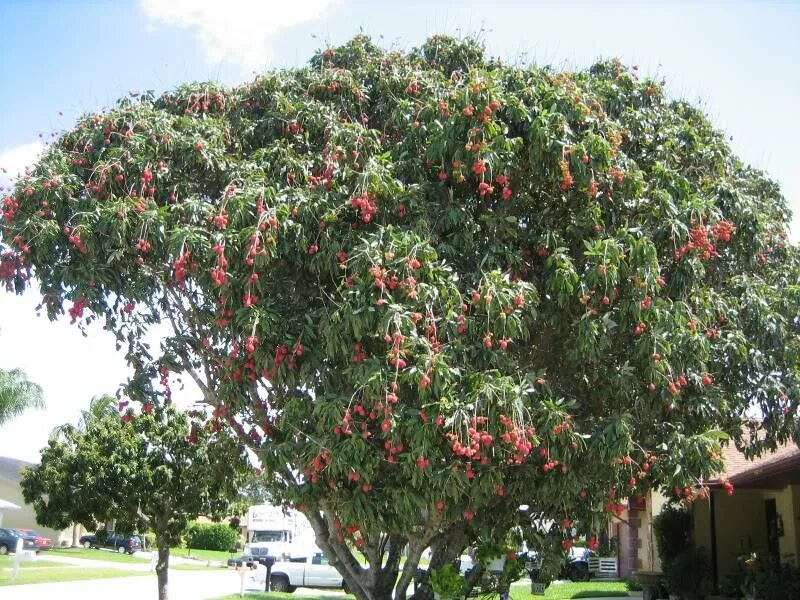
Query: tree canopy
{"points": [[428, 288], [152, 471]]}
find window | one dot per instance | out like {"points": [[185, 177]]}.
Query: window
{"points": [[319, 559], [268, 536]]}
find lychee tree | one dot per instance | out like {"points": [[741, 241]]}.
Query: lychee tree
{"points": [[429, 288]]}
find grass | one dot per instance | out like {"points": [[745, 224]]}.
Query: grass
{"points": [[8, 561], [203, 554], [279, 596], [51, 575], [94, 554], [556, 591], [566, 591]]}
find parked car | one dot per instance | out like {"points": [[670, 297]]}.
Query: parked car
{"points": [[311, 571], [41, 542], [8, 541], [575, 569], [113, 541]]}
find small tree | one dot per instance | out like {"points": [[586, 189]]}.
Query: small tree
{"points": [[155, 470]]}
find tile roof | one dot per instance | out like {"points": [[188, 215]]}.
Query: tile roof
{"points": [[737, 466]]}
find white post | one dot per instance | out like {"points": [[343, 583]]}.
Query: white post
{"points": [[153, 559], [17, 557], [241, 580]]}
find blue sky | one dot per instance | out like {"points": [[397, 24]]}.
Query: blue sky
{"points": [[737, 60]]}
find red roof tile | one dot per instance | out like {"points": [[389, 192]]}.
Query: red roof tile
{"points": [[737, 466]]}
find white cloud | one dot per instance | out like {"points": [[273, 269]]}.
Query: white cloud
{"points": [[235, 30], [14, 160]]}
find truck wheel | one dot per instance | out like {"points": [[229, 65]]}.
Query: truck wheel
{"points": [[280, 583], [87, 544], [3, 549], [121, 549]]}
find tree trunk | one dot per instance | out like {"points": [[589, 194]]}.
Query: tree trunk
{"points": [[383, 579], [75, 535], [162, 566], [383, 553]]}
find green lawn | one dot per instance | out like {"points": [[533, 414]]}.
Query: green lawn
{"points": [[279, 596], [556, 591], [565, 591], [203, 554], [63, 574], [8, 561], [93, 554]]}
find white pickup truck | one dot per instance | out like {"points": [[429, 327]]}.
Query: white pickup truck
{"points": [[312, 571]]}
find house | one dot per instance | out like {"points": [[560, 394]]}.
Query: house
{"points": [[762, 515], [23, 515]]}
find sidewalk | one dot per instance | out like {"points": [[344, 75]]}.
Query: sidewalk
{"points": [[144, 566]]}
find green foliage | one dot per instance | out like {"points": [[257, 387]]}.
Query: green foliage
{"points": [[17, 394], [687, 573], [759, 578], [155, 470], [673, 528], [490, 551], [632, 585], [210, 536], [447, 582], [135, 470], [427, 288]]}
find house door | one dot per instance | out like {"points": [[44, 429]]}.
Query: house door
{"points": [[773, 540]]}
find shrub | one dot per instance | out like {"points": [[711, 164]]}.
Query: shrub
{"points": [[210, 536], [686, 573], [632, 585], [447, 582], [672, 528]]}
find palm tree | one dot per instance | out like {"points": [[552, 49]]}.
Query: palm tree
{"points": [[17, 394], [100, 407]]}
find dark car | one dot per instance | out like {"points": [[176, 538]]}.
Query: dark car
{"points": [[41, 542], [8, 541], [113, 541], [576, 567]]}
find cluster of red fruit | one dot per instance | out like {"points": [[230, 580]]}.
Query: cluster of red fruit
{"points": [[77, 308], [324, 176], [317, 465], [700, 242], [182, 266], [366, 206], [74, 238], [11, 265], [518, 437], [218, 273], [10, 208], [566, 177], [163, 373], [196, 103], [476, 446]]}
